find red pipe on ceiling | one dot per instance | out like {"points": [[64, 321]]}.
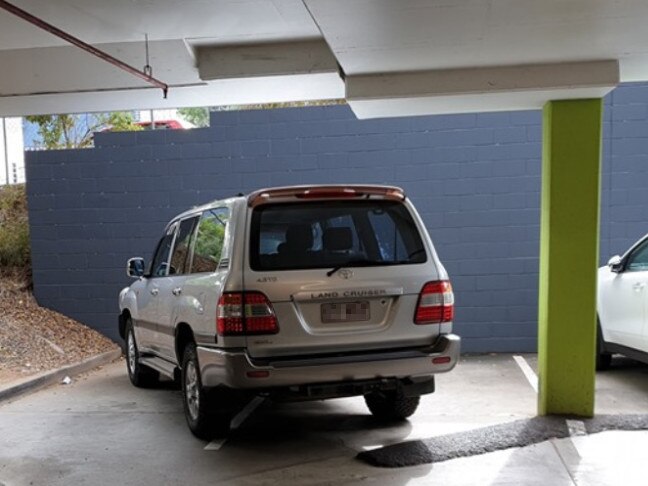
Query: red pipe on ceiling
{"points": [[32, 19]]}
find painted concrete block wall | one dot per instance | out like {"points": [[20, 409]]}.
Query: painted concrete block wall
{"points": [[475, 179]]}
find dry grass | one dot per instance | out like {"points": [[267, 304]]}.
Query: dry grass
{"points": [[14, 227]]}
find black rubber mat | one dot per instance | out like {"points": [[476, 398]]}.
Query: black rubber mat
{"points": [[493, 438]]}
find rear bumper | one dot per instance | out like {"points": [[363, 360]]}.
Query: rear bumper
{"points": [[233, 368]]}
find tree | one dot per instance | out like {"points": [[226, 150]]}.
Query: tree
{"points": [[196, 116], [76, 131]]}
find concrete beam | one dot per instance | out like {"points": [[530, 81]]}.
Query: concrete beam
{"points": [[67, 68], [65, 79], [268, 59], [267, 89], [497, 88]]}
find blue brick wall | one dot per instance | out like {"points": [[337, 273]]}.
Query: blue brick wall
{"points": [[475, 179]]}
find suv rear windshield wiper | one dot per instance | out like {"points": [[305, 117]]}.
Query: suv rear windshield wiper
{"points": [[361, 262]]}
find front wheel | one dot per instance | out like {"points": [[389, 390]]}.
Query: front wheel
{"points": [[140, 375], [199, 403], [603, 359], [392, 405]]}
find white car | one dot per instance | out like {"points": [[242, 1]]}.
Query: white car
{"points": [[293, 293], [622, 305]]}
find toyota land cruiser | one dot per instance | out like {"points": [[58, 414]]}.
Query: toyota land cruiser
{"points": [[295, 293]]}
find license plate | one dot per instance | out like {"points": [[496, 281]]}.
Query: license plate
{"points": [[345, 311]]}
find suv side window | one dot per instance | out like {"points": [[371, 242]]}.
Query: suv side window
{"points": [[160, 263], [180, 257], [638, 261], [208, 244]]}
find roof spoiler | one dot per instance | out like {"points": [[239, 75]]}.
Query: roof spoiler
{"points": [[264, 196]]}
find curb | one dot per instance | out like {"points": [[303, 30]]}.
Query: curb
{"points": [[48, 378], [507, 435]]}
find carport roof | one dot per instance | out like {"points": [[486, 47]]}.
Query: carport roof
{"points": [[396, 58]]}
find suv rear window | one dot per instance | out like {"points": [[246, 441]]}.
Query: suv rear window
{"points": [[328, 234]]}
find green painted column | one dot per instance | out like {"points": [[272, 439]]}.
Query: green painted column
{"points": [[569, 253]]}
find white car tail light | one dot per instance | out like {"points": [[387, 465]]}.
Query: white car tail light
{"points": [[435, 304], [245, 313]]}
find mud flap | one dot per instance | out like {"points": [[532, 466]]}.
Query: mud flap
{"points": [[412, 388]]}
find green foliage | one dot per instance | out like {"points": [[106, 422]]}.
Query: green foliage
{"points": [[121, 121], [209, 240], [54, 130], [76, 131], [14, 227], [196, 116]]}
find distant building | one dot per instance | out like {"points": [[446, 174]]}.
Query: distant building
{"points": [[162, 119], [12, 155]]}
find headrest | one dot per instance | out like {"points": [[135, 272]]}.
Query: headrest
{"points": [[337, 239], [299, 237]]}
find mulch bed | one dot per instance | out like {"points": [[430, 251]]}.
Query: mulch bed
{"points": [[34, 339]]}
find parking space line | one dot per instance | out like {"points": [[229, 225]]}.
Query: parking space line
{"points": [[237, 421], [568, 456], [215, 445], [242, 416], [530, 375], [576, 427]]}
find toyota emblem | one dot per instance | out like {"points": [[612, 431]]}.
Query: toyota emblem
{"points": [[346, 274]]}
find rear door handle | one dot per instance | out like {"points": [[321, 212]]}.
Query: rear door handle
{"points": [[638, 287], [155, 291], [176, 291]]}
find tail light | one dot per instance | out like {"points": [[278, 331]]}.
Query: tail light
{"points": [[435, 304], [245, 313]]}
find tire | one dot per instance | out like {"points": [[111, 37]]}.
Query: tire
{"points": [[391, 406], [603, 359], [140, 375], [199, 403]]}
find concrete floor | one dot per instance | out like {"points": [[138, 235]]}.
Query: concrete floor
{"points": [[100, 430]]}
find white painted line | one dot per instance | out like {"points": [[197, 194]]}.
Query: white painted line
{"points": [[568, 455], [215, 445], [576, 427], [567, 448], [246, 412], [531, 377], [237, 421]]}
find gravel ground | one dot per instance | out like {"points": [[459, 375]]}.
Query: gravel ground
{"points": [[34, 339]]}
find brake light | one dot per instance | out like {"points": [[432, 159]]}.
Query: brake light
{"points": [[337, 193], [435, 304], [246, 313]]}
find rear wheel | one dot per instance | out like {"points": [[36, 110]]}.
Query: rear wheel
{"points": [[140, 375], [603, 359], [391, 405], [203, 418]]}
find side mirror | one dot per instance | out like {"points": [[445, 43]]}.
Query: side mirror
{"points": [[135, 267], [615, 264]]}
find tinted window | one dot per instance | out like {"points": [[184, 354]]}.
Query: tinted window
{"points": [[160, 263], [638, 261], [390, 241], [328, 234], [208, 244], [180, 256]]}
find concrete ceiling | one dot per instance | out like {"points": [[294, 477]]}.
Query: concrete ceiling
{"points": [[43, 74], [397, 57]]}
